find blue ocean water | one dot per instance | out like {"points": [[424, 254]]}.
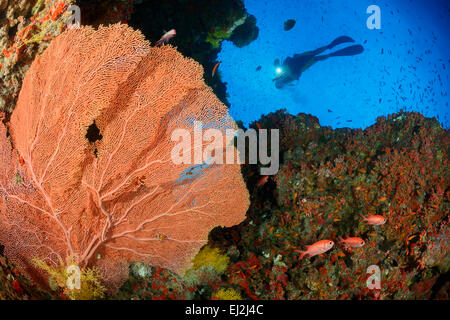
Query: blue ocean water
{"points": [[405, 64]]}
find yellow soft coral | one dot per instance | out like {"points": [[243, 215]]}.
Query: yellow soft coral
{"points": [[227, 294], [90, 284], [209, 256]]}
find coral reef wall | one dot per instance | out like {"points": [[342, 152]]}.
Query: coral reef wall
{"points": [[397, 168]]}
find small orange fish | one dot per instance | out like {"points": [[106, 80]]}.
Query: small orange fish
{"points": [[382, 199], [215, 68], [375, 220], [316, 248], [166, 37], [262, 181], [354, 242], [258, 125], [336, 219]]}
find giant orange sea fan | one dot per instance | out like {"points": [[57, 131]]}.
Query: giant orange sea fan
{"points": [[86, 173]]}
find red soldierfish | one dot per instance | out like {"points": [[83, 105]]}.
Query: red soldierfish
{"points": [[166, 37], [316, 248], [354, 242], [374, 220]]}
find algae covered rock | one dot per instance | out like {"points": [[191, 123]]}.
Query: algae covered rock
{"points": [[26, 28], [245, 33]]}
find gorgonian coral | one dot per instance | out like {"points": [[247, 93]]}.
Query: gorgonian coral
{"points": [[87, 175]]}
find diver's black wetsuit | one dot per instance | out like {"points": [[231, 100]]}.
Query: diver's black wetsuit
{"points": [[294, 66]]}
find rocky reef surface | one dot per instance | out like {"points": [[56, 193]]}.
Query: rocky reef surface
{"points": [[26, 28], [397, 168]]}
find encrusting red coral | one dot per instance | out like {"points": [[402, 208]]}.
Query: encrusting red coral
{"points": [[86, 172]]}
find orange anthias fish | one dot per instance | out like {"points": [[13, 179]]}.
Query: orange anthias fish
{"points": [[374, 220], [166, 37], [215, 68], [262, 181], [316, 248], [258, 125], [354, 242]]}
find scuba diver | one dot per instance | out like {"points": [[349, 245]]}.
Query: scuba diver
{"points": [[293, 67]]}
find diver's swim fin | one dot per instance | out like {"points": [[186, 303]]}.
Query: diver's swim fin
{"points": [[349, 51], [339, 40]]}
